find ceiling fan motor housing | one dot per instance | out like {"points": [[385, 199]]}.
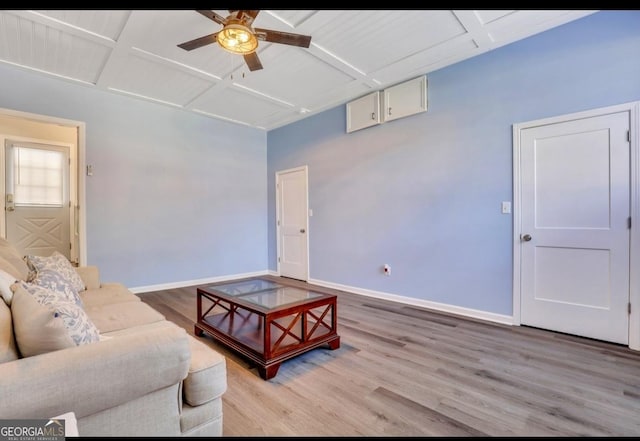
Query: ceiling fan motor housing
{"points": [[237, 37]]}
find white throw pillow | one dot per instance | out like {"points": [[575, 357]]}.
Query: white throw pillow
{"points": [[42, 322], [6, 280], [58, 263]]}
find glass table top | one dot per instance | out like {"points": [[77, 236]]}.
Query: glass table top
{"points": [[273, 298], [245, 287], [264, 293]]}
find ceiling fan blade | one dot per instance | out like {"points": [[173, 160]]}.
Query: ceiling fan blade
{"points": [[213, 16], [253, 61], [198, 42], [283, 37]]}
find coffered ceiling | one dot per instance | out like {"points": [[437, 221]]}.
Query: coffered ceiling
{"points": [[352, 52]]}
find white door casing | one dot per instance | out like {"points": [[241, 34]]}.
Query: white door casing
{"points": [[575, 189], [292, 223], [38, 217]]}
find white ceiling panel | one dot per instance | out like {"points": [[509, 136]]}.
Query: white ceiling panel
{"points": [[518, 25], [240, 105], [390, 35], [352, 52], [160, 32], [487, 16], [104, 22], [275, 119], [290, 18], [428, 60], [36, 46], [290, 64], [158, 81]]}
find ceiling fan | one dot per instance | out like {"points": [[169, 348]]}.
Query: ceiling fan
{"points": [[239, 37]]}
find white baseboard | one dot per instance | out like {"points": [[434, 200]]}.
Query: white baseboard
{"points": [[467, 312], [182, 284]]}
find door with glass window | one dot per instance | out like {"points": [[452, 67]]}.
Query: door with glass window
{"points": [[37, 202]]}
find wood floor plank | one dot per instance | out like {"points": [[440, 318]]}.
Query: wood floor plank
{"points": [[403, 370]]}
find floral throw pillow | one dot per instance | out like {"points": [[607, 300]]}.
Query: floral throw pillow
{"points": [[56, 262], [55, 281], [44, 321]]}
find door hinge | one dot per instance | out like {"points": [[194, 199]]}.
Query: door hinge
{"points": [[629, 222], [278, 259], [70, 245], [629, 307], [628, 135], [278, 222]]}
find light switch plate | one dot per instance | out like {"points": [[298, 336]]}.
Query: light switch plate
{"points": [[506, 207]]}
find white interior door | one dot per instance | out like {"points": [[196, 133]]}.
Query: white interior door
{"points": [[575, 226], [37, 207], [293, 244]]}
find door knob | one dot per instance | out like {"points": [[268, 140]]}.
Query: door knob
{"points": [[302, 230], [526, 237]]}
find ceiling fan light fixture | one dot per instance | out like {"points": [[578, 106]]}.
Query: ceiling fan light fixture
{"points": [[237, 38]]}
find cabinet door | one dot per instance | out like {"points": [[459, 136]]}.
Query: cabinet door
{"points": [[363, 112], [405, 99]]}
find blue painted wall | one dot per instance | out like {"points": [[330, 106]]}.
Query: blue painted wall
{"points": [[178, 197], [423, 193], [174, 196]]}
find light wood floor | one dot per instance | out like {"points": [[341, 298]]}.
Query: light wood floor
{"points": [[407, 371]]}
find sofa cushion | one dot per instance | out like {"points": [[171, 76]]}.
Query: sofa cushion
{"points": [[44, 323], [56, 263], [207, 378], [108, 293], [115, 316], [12, 262], [8, 350], [147, 327], [90, 276]]}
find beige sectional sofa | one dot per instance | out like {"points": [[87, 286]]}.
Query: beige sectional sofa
{"points": [[145, 376]]}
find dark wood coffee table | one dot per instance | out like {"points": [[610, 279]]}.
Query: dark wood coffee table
{"points": [[267, 322]]}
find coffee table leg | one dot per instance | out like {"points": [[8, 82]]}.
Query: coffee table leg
{"points": [[197, 331], [266, 373], [334, 344]]}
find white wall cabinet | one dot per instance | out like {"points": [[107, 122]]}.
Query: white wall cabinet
{"points": [[394, 102], [363, 112], [405, 99]]}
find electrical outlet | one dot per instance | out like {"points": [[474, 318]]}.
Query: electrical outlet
{"points": [[387, 269]]}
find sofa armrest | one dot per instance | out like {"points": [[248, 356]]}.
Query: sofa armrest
{"points": [[90, 276], [90, 378]]}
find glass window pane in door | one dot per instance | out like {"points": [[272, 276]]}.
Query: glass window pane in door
{"points": [[38, 176]]}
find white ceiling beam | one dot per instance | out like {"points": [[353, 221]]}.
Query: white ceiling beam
{"points": [[119, 54], [474, 27]]}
